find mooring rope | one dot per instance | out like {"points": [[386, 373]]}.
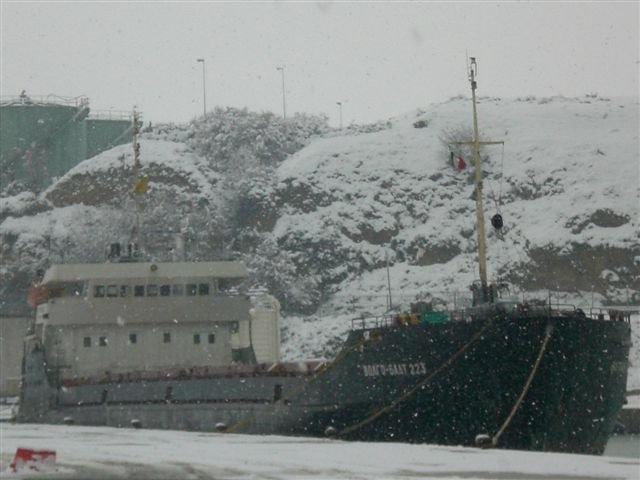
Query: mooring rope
{"points": [[418, 385], [532, 374]]}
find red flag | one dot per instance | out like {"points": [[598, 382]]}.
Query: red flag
{"points": [[461, 163]]}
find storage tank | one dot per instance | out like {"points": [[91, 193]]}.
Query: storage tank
{"points": [[42, 138], [105, 130]]}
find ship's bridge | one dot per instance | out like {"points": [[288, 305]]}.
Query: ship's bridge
{"points": [[117, 316]]}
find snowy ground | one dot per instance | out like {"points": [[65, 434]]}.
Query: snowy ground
{"points": [[109, 453]]}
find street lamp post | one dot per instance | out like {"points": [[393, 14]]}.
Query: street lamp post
{"points": [[340, 110], [284, 102], [204, 88]]}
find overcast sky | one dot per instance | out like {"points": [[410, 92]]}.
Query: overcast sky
{"points": [[379, 59]]}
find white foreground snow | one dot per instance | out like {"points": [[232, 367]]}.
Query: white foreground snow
{"points": [[109, 453]]}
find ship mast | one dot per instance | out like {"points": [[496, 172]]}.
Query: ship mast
{"points": [[140, 182], [475, 143], [482, 247], [136, 170]]}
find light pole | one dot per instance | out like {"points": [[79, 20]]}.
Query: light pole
{"points": [[204, 88], [340, 110], [284, 102]]}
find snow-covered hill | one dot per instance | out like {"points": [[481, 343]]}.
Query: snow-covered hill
{"points": [[321, 227], [566, 184]]}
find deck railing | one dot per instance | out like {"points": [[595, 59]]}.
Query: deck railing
{"points": [[515, 309]]}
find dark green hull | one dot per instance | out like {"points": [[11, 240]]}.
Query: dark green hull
{"points": [[536, 382], [474, 376]]}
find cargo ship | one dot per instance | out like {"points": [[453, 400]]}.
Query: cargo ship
{"points": [[179, 345]]}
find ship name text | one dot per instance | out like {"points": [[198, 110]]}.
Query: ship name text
{"points": [[393, 369]]}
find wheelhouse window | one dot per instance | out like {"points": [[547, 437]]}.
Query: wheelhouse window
{"points": [[225, 284], [102, 341], [133, 338], [234, 327], [86, 341], [112, 291], [151, 290], [66, 289], [177, 290], [196, 338], [212, 338], [166, 337]]}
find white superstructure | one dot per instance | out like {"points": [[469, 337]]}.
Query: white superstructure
{"points": [[118, 318]]}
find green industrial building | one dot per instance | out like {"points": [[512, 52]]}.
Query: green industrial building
{"points": [[42, 138]]}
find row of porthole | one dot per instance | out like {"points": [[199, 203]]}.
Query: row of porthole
{"points": [[133, 339]]}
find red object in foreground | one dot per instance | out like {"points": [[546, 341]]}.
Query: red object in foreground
{"points": [[38, 460]]}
